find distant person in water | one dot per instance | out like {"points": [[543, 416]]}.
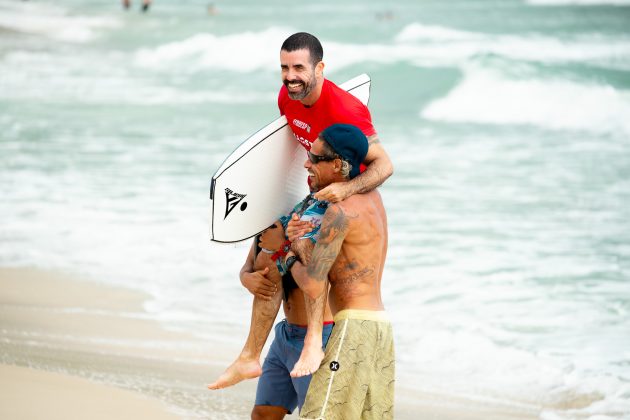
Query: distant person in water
{"points": [[145, 4]]}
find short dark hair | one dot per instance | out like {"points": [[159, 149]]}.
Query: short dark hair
{"points": [[304, 41]]}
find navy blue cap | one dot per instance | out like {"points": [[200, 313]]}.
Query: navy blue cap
{"points": [[348, 142]]}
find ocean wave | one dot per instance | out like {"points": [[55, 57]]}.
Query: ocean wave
{"points": [[126, 93], [442, 45], [563, 391], [53, 22], [416, 44], [437, 46], [45, 76], [416, 31], [488, 97], [241, 52]]}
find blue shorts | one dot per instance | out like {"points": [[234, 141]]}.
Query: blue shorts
{"points": [[275, 386]]}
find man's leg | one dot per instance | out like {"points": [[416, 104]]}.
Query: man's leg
{"points": [[264, 312], [301, 384], [268, 412], [276, 394], [312, 353], [345, 371], [359, 368]]}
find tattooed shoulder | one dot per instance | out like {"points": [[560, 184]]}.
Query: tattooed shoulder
{"points": [[373, 139], [332, 234], [335, 221]]}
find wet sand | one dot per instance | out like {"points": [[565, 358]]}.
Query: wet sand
{"points": [[59, 334], [74, 349]]}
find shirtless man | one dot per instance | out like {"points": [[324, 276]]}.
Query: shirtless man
{"points": [[356, 378]]}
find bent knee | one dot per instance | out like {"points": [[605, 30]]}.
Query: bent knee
{"points": [[273, 237], [263, 261]]}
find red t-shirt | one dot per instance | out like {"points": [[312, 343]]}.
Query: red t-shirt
{"points": [[334, 106]]}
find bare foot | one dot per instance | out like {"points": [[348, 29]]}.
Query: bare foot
{"points": [[238, 371], [309, 362]]}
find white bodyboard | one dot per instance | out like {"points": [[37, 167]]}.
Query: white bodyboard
{"points": [[264, 178]]}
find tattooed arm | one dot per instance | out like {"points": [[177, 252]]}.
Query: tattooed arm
{"points": [[379, 168], [311, 276], [303, 248]]}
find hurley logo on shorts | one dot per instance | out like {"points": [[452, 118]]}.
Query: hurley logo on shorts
{"points": [[231, 200]]}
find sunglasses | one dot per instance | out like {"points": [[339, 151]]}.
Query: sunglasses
{"points": [[315, 159]]}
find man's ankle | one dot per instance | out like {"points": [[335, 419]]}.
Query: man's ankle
{"points": [[313, 340], [247, 357]]}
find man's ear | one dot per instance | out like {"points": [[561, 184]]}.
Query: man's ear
{"points": [[319, 70], [337, 165]]}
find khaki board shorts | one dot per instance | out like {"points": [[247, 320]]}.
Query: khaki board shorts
{"points": [[356, 377]]}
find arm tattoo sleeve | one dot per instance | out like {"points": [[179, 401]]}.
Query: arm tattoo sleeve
{"points": [[304, 249], [333, 231]]}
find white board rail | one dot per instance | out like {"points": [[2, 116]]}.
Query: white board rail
{"points": [[263, 178]]}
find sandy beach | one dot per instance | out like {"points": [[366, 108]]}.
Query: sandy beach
{"points": [[73, 349], [34, 394]]}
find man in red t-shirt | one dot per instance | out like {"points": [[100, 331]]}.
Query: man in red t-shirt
{"points": [[334, 106], [310, 104]]}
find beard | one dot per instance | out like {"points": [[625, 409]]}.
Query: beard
{"points": [[307, 88]]}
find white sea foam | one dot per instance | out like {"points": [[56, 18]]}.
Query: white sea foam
{"points": [[431, 45], [44, 76], [468, 353], [241, 52], [53, 22], [436, 45], [416, 31], [416, 44], [470, 358], [488, 97]]}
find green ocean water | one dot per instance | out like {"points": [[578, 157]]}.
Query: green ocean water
{"points": [[508, 123]]}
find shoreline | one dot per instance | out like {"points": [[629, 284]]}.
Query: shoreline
{"points": [[57, 331], [69, 397]]}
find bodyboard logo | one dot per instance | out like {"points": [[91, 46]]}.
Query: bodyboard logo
{"points": [[232, 200]]}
